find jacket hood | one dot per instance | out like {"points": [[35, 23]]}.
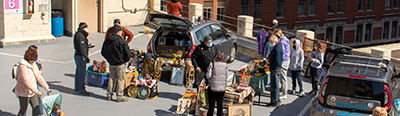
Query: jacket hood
{"points": [[113, 37], [298, 47], [24, 62], [174, 1]]}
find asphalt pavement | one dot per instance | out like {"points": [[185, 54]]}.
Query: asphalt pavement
{"points": [[59, 70]]}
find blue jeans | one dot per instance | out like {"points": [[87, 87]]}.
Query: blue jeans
{"points": [[80, 73], [296, 76], [275, 76]]}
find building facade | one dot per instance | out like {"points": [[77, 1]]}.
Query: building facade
{"points": [[348, 22], [30, 21]]}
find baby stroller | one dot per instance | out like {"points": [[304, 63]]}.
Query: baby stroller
{"points": [[49, 101]]}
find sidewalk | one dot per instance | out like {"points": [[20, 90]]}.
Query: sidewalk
{"points": [[59, 70]]}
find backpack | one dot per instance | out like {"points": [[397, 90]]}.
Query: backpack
{"points": [[14, 72]]}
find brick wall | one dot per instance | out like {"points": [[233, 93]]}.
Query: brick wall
{"points": [[377, 33], [349, 36]]}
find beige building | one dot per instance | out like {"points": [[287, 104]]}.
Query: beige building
{"points": [[18, 25]]}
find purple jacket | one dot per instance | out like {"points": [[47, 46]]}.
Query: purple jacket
{"points": [[285, 43], [261, 40]]}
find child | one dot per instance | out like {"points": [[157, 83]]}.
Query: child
{"points": [[56, 110]]}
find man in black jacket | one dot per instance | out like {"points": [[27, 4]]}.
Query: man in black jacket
{"points": [[116, 51], [201, 58], [81, 47]]}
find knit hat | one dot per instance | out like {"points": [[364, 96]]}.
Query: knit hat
{"points": [[82, 25], [117, 21], [117, 28], [207, 38]]}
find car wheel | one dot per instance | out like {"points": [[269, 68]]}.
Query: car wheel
{"points": [[232, 54]]}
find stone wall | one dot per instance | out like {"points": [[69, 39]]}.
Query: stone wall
{"points": [[113, 9]]}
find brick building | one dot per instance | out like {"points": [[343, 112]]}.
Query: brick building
{"points": [[349, 22]]}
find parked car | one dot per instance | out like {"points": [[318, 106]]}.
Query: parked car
{"points": [[171, 29], [355, 85]]}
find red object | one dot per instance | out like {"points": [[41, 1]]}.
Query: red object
{"points": [[30, 7], [149, 47], [320, 98], [356, 76], [174, 8], [389, 104], [191, 51]]}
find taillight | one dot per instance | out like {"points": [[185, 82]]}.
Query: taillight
{"points": [[388, 99], [321, 94], [191, 51], [149, 47], [356, 76]]}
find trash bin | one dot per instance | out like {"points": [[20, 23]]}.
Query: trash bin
{"points": [[57, 23]]}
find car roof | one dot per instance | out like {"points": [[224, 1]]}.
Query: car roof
{"points": [[198, 27], [368, 67]]}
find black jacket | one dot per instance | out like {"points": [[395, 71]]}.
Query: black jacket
{"points": [[202, 56], [81, 44], [276, 58], [115, 50]]}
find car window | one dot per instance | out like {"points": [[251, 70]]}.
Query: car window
{"points": [[199, 36], [218, 32], [206, 31], [356, 88]]}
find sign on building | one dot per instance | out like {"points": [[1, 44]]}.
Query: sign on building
{"points": [[13, 6]]}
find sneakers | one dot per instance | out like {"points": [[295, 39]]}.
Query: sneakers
{"points": [[292, 92], [84, 93], [122, 100], [283, 97], [301, 94], [109, 98], [273, 105]]}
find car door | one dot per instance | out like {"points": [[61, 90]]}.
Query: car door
{"points": [[224, 44]]}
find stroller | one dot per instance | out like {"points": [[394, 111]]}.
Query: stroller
{"points": [[49, 101]]}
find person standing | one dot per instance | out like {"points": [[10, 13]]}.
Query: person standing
{"points": [[174, 7], [217, 82], [295, 66], [39, 66], [81, 57], [316, 59], [275, 67], [202, 57], [125, 32], [286, 60], [116, 51], [26, 88]]}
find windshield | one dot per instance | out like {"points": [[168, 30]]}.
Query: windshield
{"points": [[168, 21], [356, 88]]}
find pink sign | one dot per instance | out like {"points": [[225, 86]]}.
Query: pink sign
{"points": [[12, 4]]}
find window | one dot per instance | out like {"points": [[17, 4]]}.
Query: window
{"points": [[339, 35], [360, 5], [396, 3], [394, 29], [218, 32], [257, 9], [207, 10], [199, 36], [244, 9], [312, 7], [340, 5], [387, 3], [163, 6], [386, 30], [206, 31], [221, 11], [302, 7], [370, 4], [280, 8], [359, 33], [329, 34], [368, 32], [331, 4]]}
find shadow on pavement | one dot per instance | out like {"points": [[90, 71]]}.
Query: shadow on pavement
{"points": [[173, 96], [294, 107], [3, 113], [173, 108], [164, 113], [71, 91], [244, 58], [70, 75]]}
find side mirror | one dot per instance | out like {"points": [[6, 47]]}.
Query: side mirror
{"points": [[228, 35]]}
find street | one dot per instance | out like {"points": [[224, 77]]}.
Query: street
{"points": [[59, 71]]}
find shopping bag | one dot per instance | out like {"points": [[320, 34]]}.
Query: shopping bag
{"points": [[204, 98]]}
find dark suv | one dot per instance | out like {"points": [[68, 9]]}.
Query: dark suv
{"points": [[355, 85], [171, 28]]}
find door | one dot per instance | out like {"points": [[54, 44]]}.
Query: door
{"points": [[88, 12], [218, 35]]}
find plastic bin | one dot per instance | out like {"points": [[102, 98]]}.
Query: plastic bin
{"points": [[93, 79], [57, 26]]}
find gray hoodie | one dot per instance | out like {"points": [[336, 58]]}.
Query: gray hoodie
{"points": [[296, 57]]}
